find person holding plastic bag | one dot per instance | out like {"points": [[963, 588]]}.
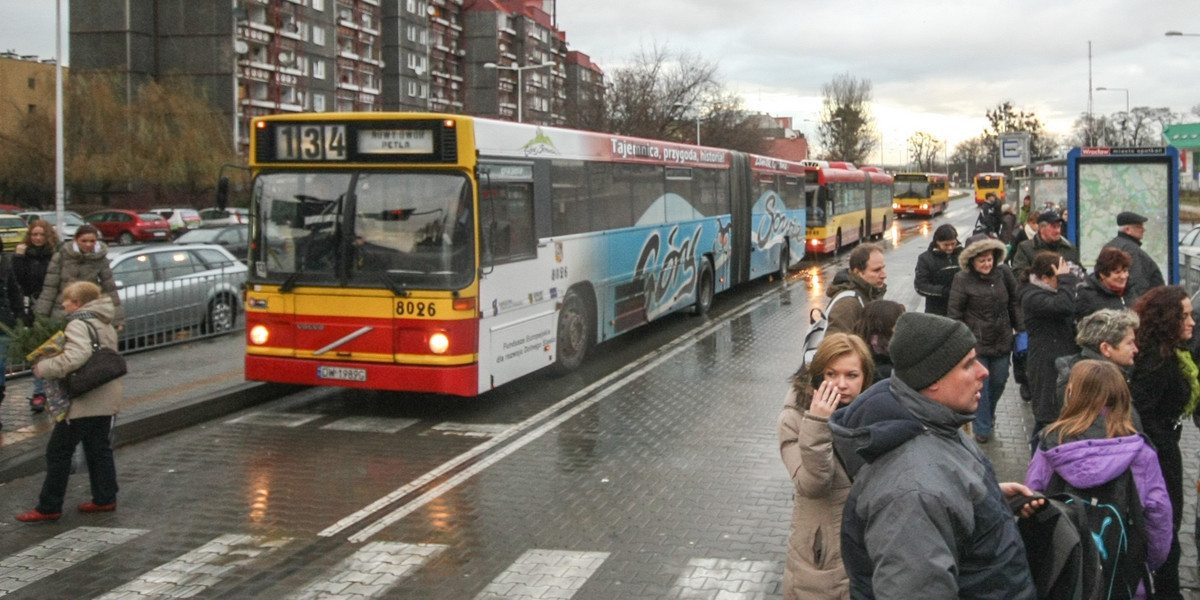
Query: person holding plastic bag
{"points": [[89, 419]]}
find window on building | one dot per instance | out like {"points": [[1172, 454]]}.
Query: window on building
{"points": [[410, 33], [318, 4], [318, 102], [411, 6], [318, 35], [319, 69], [412, 89], [32, 108], [32, 83], [424, 90]]}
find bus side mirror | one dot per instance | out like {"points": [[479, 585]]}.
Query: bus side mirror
{"points": [[222, 192]]}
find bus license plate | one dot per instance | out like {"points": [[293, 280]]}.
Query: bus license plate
{"points": [[342, 373]]}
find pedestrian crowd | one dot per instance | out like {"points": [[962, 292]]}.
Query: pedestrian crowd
{"points": [[881, 432]]}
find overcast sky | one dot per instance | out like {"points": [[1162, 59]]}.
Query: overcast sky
{"points": [[936, 65]]}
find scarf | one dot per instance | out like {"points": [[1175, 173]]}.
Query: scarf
{"points": [[1190, 373], [1037, 281]]}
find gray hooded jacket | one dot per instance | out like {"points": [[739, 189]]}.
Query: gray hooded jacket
{"points": [[925, 517]]}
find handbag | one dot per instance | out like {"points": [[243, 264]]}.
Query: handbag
{"points": [[103, 366]]}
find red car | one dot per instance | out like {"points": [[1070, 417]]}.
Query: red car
{"points": [[128, 226]]}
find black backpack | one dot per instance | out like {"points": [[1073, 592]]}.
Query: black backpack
{"points": [[1088, 543]]}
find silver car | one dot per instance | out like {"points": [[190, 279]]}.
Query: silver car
{"points": [[166, 290]]}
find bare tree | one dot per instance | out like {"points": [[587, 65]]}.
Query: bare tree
{"points": [[1142, 126], [969, 157], [846, 131], [925, 150], [27, 161], [1005, 118]]}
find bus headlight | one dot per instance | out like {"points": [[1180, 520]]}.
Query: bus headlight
{"points": [[895, 205], [259, 335], [439, 343]]}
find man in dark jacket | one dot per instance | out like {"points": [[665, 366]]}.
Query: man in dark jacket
{"points": [[865, 279], [936, 268], [989, 216], [1144, 273], [1048, 239], [925, 517]]}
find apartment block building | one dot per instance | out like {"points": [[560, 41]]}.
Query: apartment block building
{"points": [[26, 87]]}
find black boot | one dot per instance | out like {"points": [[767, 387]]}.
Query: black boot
{"points": [[37, 403]]}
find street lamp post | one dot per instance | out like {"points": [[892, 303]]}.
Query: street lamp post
{"points": [[1126, 90], [520, 81]]}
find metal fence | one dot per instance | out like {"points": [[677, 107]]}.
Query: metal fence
{"points": [[1189, 275], [178, 310]]}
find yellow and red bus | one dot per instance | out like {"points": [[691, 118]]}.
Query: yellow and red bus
{"points": [[450, 254], [845, 204], [924, 194], [989, 183]]}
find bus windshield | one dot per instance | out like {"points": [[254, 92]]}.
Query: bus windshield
{"points": [[910, 189], [375, 229]]}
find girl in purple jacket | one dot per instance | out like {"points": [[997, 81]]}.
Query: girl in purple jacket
{"points": [[1094, 441]]}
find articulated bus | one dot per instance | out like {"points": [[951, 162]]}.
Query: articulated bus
{"points": [[924, 194], [845, 204], [450, 254], [986, 183]]}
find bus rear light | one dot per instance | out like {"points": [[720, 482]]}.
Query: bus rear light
{"points": [[439, 343], [259, 335], [261, 124], [448, 123], [463, 304]]}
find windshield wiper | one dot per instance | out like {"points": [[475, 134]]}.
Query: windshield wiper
{"points": [[396, 287]]}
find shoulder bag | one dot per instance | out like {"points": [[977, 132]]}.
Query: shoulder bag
{"points": [[103, 366]]}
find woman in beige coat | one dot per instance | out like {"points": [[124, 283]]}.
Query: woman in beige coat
{"points": [[90, 417], [839, 371]]}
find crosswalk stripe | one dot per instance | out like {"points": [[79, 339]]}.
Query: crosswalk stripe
{"points": [[59, 552], [370, 572], [198, 570], [544, 575], [274, 419], [728, 579], [365, 424]]}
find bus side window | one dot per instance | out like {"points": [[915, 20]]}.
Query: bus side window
{"points": [[507, 221]]}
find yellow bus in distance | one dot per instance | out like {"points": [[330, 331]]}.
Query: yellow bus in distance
{"points": [[924, 194], [989, 183]]}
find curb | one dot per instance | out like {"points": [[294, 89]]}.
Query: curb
{"points": [[152, 420]]}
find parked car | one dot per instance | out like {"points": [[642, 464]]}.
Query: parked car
{"points": [[71, 220], [234, 238], [12, 231], [166, 288], [127, 226], [180, 219], [11, 209], [229, 216]]}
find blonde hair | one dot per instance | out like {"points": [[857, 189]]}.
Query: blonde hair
{"points": [[832, 349], [1096, 387], [81, 292]]}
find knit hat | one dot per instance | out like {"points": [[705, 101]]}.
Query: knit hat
{"points": [[925, 347]]}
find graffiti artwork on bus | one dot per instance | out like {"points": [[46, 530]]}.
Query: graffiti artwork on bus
{"points": [[675, 276], [775, 225]]}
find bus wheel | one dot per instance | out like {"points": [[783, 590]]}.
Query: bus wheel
{"points": [[785, 256], [575, 324], [705, 288]]}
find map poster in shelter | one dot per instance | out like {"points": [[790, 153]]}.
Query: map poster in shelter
{"points": [[1103, 182]]}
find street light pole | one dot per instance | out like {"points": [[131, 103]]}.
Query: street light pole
{"points": [[1126, 90], [520, 81]]}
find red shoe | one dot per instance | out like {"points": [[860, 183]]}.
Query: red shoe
{"points": [[37, 403], [92, 507], [34, 516]]}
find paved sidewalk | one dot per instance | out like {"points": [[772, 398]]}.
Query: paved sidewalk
{"points": [[166, 389]]}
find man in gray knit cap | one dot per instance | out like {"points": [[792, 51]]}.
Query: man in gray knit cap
{"points": [[926, 517]]}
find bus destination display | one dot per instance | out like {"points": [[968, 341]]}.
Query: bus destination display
{"points": [[395, 141]]}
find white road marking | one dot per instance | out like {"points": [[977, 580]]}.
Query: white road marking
{"points": [[711, 578], [274, 419], [198, 570], [471, 429], [60, 552], [366, 424], [544, 575], [369, 573], [615, 380]]}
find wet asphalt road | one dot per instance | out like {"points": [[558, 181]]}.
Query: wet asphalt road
{"points": [[652, 472]]}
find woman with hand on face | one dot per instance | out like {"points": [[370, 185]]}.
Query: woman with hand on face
{"points": [[839, 372], [1048, 310]]}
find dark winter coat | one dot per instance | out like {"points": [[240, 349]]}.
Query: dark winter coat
{"points": [[1024, 254], [1049, 318], [1092, 296], [935, 272], [12, 302], [70, 265], [925, 517], [988, 304], [1094, 459], [843, 316], [989, 218], [1144, 272], [1160, 392], [31, 266], [1008, 224]]}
